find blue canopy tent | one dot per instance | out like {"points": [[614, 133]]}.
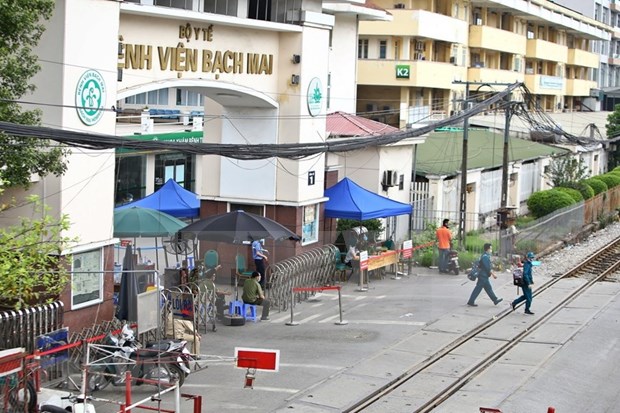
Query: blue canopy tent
{"points": [[349, 200], [172, 199]]}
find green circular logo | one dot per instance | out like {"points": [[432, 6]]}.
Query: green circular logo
{"points": [[315, 96], [90, 95]]}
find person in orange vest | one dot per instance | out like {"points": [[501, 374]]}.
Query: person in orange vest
{"points": [[444, 243]]}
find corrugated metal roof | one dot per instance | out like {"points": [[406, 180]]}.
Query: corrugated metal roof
{"points": [[441, 153], [340, 124]]}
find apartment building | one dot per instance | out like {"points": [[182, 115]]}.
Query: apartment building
{"points": [[436, 53], [608, 73]]}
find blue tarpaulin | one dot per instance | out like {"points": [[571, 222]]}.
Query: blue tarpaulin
{"points": [[172, 199], [349, 200]]}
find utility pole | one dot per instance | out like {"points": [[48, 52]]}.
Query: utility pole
{"points": [[463, 192], [508, 114]]}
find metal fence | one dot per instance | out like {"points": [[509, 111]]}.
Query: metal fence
{"points": [[313, 268], [20, 328]]}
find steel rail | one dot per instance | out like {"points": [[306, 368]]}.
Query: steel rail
{"points": [[598, 261]]}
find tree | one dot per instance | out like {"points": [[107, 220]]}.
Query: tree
{"points": [[31, 267], [21, 28], [613, 131], [566, 170]]}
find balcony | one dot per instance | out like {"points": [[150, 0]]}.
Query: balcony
{"points": [[408, 73], [481, 74], [485, 37], [579, 87], [545, 85], [418, 23], [577, 57], [543, 50], [614, 60]]}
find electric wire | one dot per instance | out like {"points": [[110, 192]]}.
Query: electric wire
{"points": [[243, 151]]}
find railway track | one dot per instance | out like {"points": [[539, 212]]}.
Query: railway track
{"points": [[602, 266]]}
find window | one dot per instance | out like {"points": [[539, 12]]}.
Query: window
{"points": [[86, 279], [252, 209], [382, 49], [518, 63], [189, 98], [362, 49], [154, 97], [397, 49], [310, 226], [130, 178], [175, 166]]}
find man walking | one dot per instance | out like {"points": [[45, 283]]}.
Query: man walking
{"points": [[528, 280], [484, 282], [444, 242]]}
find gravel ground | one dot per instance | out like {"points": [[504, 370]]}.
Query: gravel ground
{"points": [[569, 257]]}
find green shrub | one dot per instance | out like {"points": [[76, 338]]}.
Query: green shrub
{"points": [[611, 180], [466, 258], [596, 184], [584, 189], [523, 220], [427, 258], [545, 202], [523, 246], [573, 193]]}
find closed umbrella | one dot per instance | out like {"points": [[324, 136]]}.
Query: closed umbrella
{"points": [[128, 296]]}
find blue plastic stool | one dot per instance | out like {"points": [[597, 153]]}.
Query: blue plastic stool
{"points": [[249, 311], [236, 308]]}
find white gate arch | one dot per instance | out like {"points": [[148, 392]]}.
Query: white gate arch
{"points": [[224, 93]]}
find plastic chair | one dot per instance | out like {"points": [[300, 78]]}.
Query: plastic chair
{"points": [[236, 307], [249, 312], [212, 259], [241, 268]]}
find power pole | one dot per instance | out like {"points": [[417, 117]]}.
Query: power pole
{"points": [[463, 194], [508, 114]]}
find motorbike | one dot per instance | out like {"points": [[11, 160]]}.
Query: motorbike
{"points": [[453, 262], [70, 403], [164, 361]]}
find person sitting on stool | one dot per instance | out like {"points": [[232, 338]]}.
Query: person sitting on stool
{"points": [[253, 294]]}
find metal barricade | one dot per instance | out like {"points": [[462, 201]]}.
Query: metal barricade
{"points": [[313, 268]]}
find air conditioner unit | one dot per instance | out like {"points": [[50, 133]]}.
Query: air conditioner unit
{"points": [[390, 178], [399, 6]]}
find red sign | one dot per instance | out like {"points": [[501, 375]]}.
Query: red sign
{"points": [[125, 242], [257, 358], [363, 260], [407, 248]]}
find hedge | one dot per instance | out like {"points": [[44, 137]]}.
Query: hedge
{"points": [[545, 202], [611, 180], [573, 193], [596, 184]]}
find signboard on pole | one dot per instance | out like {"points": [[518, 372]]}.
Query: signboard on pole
{"points": [[363, 260], [257, 358], [407, 248], [182, 305]]}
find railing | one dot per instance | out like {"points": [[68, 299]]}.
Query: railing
{"points": [[313, 268], [20, 328]]}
